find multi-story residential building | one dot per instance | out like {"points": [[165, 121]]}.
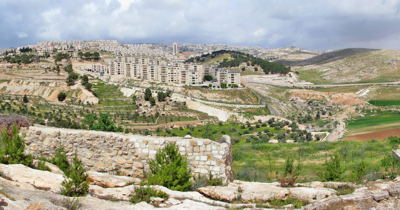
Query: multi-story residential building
{"points": [[163, 71]]}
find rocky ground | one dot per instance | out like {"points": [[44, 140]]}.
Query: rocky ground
{"points": [[26, 188]]}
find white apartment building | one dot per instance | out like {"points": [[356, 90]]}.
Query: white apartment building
{"points": [[162, 71]]}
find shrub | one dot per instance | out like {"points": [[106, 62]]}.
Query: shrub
{"points": [[344, 190], [333, 171], [276, 203], [290, 173], [248, 140], [77, 184], [143, 193], [358, 172], [71, 204], [61, 96], [60, 160], [42, 166], [167, 130], [235, 140], [12, 148], [204, 181], [170, 169]]}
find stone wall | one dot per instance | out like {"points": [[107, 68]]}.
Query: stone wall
{"points": [[128, 154]]}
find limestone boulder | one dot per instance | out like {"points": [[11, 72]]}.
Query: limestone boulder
{"points": [[311, 185], [194, 205], [44, 180], [228, 193], [110, 181], [311, 194], [18, 185], [252, 191], [336, 185], [120, 193], [53, 168], [380, 195]]}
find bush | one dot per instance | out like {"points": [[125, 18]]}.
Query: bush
{"points": [[12, 148], [170, 169], [61, 96], [77, 184], [71, 204], [204, 181], [60, 160], [235, 140], [333, 171], [143, 193], [42, 166], [290, 173], [358, 172]]}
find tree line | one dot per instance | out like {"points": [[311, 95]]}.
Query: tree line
{"points": [[240, 57]]}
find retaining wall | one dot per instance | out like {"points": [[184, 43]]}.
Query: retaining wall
{"points": [[128, 154]]}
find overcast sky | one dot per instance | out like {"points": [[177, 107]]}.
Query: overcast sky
{"points": [[309, 24]]}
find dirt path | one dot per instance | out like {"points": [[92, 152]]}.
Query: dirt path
{"points": [[339, 131]]}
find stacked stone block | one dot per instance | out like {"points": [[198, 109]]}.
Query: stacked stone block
{"points": [[128, 154]]}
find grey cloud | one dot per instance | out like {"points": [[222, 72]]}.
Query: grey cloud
{"points": [[310, 24]]}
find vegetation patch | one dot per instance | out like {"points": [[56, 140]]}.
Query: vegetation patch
{"points": [[384, 102]]}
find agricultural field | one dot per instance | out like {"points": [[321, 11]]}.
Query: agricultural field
{"points": [[313, 76], [263, 162], [384, 102], [376, 121]]}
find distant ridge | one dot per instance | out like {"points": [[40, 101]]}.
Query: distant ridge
{"points": [[325, 57]]}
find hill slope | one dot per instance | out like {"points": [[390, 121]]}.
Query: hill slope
{"points": [[372, 66], [325, 57]]}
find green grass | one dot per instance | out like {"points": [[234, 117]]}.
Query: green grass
{"points": [[313, 76], [4, 80], [262, 161], [384, 102], [256, 112]]}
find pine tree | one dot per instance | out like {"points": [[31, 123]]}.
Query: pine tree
{"points": [[147, 94], [12, 148], [25, 99], [170, 169], [77, 184], [60, 160]]}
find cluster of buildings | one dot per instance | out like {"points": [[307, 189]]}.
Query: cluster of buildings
{"points": [[163, 71]]}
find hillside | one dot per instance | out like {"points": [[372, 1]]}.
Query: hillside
{"points": [[240, 59], [325, 57], [372, 66]]}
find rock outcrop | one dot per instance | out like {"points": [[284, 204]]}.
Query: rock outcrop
{"points": [[110, 181], [44, 180], [25, 188]]}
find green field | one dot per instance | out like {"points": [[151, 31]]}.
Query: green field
{"points": [[262, 161], [384, 102], [313, 76], [367, 123]]}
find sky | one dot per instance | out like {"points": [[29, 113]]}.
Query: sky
{"points": [[308, 24]]}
